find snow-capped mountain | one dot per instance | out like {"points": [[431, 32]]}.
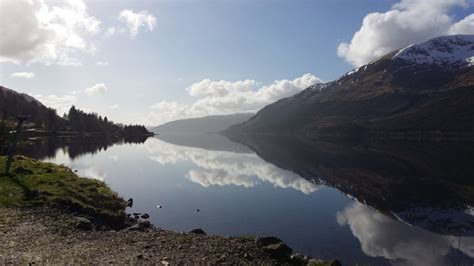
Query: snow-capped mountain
{"points": [[457, 50], [422, 91]]}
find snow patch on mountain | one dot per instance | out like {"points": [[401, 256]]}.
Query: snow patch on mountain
{"points": [[447, 50]]}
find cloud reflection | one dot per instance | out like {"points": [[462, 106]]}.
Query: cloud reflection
{"points": [[221, 168], [381, 236]]}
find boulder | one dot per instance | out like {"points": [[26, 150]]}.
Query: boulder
{"points": [[84, 224], [278, 251], [267, 240], [198, 231], [143, 225]]}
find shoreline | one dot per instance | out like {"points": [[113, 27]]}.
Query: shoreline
{"points": [[47, 236], [50, 215]]}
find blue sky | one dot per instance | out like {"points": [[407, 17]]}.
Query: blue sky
{"points": [[191, 60]]}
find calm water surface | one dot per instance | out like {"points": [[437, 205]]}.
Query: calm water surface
{"points": [[240, 193]]}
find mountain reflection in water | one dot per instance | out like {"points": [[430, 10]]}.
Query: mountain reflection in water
{"points": [[413, 202]]}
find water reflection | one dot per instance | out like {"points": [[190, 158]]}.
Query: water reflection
{"points": [[381, 236], [42, 148], [427, 185], [402, 204], [221, 168]]}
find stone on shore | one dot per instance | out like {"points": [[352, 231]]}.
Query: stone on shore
{"points": [[198, 231]]}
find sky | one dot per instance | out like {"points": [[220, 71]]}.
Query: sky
{"points": [[150, 62]]}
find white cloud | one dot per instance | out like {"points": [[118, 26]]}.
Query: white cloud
{"points": [[60, 103], [97, 89], [110, 31], [25, 75], [94, 173], [136, 20], [381, 236], [226, 97], [223, 168], [102, 63], [465, 26], [115, 106], [33, 31], [408, 22]]}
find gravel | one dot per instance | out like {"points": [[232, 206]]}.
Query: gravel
{"points": [[48, 236]]}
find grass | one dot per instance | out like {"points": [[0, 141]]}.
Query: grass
{"points": [[33, 183]]}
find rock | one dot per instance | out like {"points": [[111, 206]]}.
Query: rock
{"points": [[140, 256], [268, 240], [129, 203], [84, 224], [145, 216], [299, 259], [159, 206], [298, 256], [165, 262], [278, 251], [142, 225], [198, 231], [134, 227], [198, 210]]}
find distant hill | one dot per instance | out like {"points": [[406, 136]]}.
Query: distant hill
{"points": [[421, 92], [201, 125], [211, 141]]}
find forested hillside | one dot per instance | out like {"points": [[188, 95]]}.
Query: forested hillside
{"points": [[45, 120]]}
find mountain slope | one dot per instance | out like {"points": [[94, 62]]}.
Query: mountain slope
{"points": [[207, 124], [13, 103], [423, 91]]}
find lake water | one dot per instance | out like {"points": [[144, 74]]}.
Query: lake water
{"points": [[376, 205]]}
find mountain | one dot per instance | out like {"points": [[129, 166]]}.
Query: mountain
{"points": [[423, 92], [13, 103], [27, 97], [207, 124]]}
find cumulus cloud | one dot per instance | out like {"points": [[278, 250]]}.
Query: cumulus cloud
{"points": [[24, 75], [60, 103], [381, 236], [33, 31], [226, 97], [135, 21], [222, 168], [97, 89], [407, 22]]}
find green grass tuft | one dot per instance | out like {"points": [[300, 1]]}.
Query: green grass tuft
{"points": [[34, 183]]}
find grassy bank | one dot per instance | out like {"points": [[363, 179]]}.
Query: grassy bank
{"points": [[33, 183]]}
